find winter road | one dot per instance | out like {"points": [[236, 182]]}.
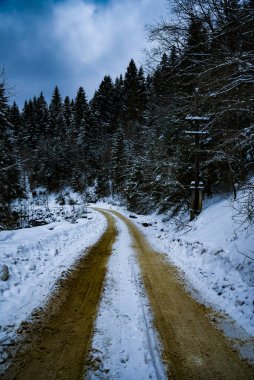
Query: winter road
{"points": [[57, 345]]}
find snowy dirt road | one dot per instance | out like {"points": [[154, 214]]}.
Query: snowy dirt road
{"points": [[192, 348], [60, 345], [56, 346]]}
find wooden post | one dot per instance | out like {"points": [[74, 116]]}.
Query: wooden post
{"points": [[196, 185], [196, 203]]}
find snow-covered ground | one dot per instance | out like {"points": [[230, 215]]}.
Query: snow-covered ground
{"points": [[124, 345], [215, 256], [36, 257]]}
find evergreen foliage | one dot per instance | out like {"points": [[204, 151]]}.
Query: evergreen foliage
{"points": [[10, 173], [130, 139]]}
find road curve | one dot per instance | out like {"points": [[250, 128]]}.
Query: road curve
{"points": [[193, 348], [58, 344]]}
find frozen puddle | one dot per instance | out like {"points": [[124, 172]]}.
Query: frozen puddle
{"points": [[124, 345]]}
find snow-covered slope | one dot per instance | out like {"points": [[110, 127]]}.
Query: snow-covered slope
{"points": [[215, 253], [36, 257]]}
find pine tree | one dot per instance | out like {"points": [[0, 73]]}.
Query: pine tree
{"points": [[14, 117], [9, 169], [56, 124], [83, 136], [161, 80], [49, 168], [29, 134], [82, 116], [142, 94], [118, 162], [131, 95], [118, 98], [103, 106], [105, 109], [41, 116], [68, 115]]}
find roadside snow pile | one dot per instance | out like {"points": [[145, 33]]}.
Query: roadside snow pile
{"points": [[217, 258], [215, 253], [41, 207], [35, 258]]}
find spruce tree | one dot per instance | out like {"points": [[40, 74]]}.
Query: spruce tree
{"points": [[49, 169], [56, 125], [82, 115], [41, 116], [142, 94], [14, 117], [103, 106], [104, 109], [131, 95], [68, 115], [83, 138], [29, 133], [119, 91], [9, 168]]}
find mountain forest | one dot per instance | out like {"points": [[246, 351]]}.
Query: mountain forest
{"points": [[133, 139]]}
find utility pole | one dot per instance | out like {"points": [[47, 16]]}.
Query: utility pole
{"points": [[197, 185]]}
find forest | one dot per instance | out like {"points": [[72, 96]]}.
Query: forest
{"points": [[130, 139]]}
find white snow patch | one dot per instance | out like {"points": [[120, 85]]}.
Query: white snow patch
{"points": [[36, 258], [124, 345]]}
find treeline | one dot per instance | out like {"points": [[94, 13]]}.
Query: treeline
{"points": [[130, 139]]}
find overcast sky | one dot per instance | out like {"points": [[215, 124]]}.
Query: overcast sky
{"points": [[70, 43]]}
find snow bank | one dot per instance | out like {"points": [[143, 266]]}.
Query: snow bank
{"points": [[36, 257], [215, 253], [210, 256]]}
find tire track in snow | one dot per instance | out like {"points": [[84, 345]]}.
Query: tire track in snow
{"points": [[152, 343], [125, 345], [192, 347]]}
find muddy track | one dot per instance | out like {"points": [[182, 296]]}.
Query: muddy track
{"points": [[59, 344], [193, 349]]}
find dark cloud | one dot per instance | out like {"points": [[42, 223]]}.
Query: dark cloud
{"points": [[70, 42], [26, 5], [34, 5], [29, 55]]}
